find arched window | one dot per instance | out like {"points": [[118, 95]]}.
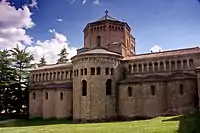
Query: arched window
{"points": [[76, 72], [40, 77], [129, 68], [84, 88], [181, 89], [61, 96], [129, 91], [34, 96], [135, 68], [71, 73], [99, 41], [150, 67], [58, 76], [85, 70], [51, 77], [185, 64], [111, 71], [155, 66], [66, 74], [98, 71], [47, 76], [179, 65], [36, 77], [109, 87], [140, 68], [145, 67], [54, 76], [167, 65], [92, 70], [161, 66], [191, 63], [43, 77], [33, 77], [107, 70], [46, 95], [62, 75], [152, 90], [172, 65]]}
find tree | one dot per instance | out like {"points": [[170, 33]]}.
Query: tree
{"points": [[6, 80], [21, 62], [42, 61], [63, 56]]}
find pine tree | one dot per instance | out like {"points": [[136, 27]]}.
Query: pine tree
{"points": [[7, 78], [21, 62], [42, 61], [63, 56]]}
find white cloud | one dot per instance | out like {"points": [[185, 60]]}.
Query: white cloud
{"points": [[156, 48], [96, 2], [13, 25], [84, 1], [33, 3], [51, 48], [59, 20], [52, 30], [72, 1]]}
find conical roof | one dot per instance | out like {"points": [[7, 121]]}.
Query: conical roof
{"points": [[107, 17]]}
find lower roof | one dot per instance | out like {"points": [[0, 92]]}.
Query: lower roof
{"points": [[164, 53]]}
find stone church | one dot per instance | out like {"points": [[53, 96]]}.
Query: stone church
{"points": [[107, 80]]}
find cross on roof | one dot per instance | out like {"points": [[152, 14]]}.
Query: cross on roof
{"points": [[106, 12]]}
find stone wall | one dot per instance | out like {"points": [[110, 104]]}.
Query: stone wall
{"points": [[96, 104], [49, 103], [35, 103], [182, 102], [50, 92], [109, 33], [142, 102], [168, 98], [165, 65]]}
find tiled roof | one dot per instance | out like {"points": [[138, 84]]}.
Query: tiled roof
{"points": [[165, 53], [99, 51], [50, 66], [53, 85], [106, 17], [155, 77]]}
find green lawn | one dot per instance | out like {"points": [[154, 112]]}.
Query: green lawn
{"points": [[178, 124]]}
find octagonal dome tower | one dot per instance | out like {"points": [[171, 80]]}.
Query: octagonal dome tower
{"points": [[109, 33]]}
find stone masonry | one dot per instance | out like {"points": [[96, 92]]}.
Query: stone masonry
{"points": [[107, 80]]}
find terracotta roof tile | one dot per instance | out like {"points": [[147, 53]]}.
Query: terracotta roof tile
{"points": [[99, 51], [53, 85], [165, 53], [106, 17], [50, 66]]}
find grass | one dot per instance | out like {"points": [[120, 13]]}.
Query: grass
{"points": [[176, 124]]}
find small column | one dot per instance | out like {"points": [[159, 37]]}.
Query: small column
{"points": [[153, 66], [176, 65], [158, 65], [147, 67], [188, 64]]}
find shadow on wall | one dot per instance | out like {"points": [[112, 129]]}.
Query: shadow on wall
{"points": [[188, 123], [36, 122]]}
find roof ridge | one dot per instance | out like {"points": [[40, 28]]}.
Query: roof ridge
{"points": [[182, 49]]}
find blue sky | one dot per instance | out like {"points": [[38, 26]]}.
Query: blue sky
{"points": [[170, 24]]}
